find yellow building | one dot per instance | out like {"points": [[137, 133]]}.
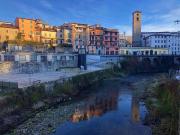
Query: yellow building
{"points": [[48, 37], [8, 32]]}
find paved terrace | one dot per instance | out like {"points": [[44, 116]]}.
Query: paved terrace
{"points": [[25, 80]]}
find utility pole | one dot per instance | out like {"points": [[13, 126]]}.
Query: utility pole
{"points": [[177, 22]]}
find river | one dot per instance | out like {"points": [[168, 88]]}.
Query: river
{"points": [[113, 109]]}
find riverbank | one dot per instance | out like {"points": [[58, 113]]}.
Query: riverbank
{"points": [[21, 105], [162, 100]]}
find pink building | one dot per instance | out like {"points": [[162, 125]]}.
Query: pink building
{"points": [[110, 41]]}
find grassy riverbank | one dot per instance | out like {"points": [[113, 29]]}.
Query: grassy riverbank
{"points": [[20, 105], [162, 101]]}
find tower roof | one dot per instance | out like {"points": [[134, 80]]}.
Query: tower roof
{"points": [[137, 11]]}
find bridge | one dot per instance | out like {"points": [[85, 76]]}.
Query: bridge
{"points": [[170, 59]]}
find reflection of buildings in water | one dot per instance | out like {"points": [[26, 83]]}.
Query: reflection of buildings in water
{"points": [[135, 109], [97, 107]]}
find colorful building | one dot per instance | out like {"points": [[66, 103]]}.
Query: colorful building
{"points": [[28, 29], [96, 40], [79, 35], [48, 37], [111, 41], [64, 35], [8, 32]]}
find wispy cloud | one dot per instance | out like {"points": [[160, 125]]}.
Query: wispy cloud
{"points": [[156, 22], [163, 22], [47, 4]]}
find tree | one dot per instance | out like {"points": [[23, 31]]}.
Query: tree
{"points": [[19, 38]]}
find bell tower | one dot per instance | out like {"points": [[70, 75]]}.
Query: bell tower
{"points": [[136, 29]]}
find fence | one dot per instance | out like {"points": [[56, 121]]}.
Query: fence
{"points": [[11, 85]]}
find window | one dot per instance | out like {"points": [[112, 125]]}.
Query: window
{"points": [[137, 18], [71, 57], [7, 37]]}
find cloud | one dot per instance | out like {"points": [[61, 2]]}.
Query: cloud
{"points": [[158, 28], [162, 22], [46, 4]]}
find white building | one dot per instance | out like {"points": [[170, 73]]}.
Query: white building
{"points": [[64, 35], [125, 41], [142, 51], [170, 40]]}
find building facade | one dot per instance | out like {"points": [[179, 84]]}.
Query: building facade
{"points": [[8, 32], [96, 40], [136, 29], [27, 28], [111, 41], [79, 35], [64, 35], [169, 40], [143, 51], [48, 37], [125, 41]]}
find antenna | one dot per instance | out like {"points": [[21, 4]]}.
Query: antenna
{"points": [[177, 21]]}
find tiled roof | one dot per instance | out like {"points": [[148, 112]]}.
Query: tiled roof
{"points": [[8, 26]]}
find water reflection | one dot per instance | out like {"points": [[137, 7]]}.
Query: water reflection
{"points": [[96, 106], [135, 109], [113, 110]]}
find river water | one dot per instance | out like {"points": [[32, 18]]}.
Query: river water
{"points": [[114, 108]]}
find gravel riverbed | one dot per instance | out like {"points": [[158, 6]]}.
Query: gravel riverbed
{"points": [[45, 122]]}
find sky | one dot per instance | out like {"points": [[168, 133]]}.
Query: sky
{"points": [[157, 15]]}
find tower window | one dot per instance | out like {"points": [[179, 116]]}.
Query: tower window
{"points": [[137, 18]]}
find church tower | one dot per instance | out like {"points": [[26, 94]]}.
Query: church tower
{"points": [[136, 29]]}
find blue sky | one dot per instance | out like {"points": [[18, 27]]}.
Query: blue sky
{"points": [[158, 15]]}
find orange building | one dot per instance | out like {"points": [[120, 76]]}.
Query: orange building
{"points": [[28, 28]]}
